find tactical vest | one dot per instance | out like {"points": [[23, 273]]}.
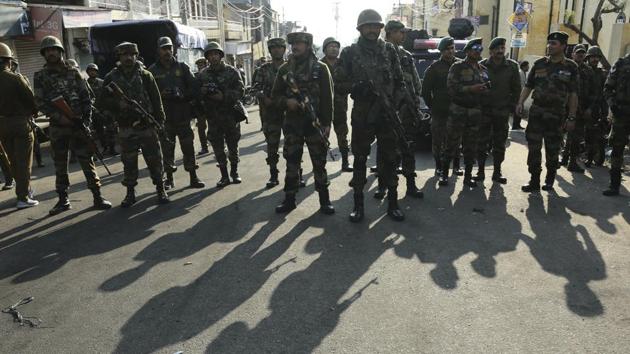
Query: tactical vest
{"points": [[134, 87], [63, 84], [171, 78], [366, 66]]}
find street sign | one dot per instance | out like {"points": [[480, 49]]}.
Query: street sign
{"points": [[519, 39], [519, 19]]}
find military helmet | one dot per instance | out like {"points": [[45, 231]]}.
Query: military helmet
{"points": [[395, 25], [91, 66], [328, 41], [579, 48], [213, 46], [164, 42], [304, 37], [201, 61], [73, 63], [276, 42], [5, 51], [50, 42], [126, 47], [594, 51], [368, 17]]}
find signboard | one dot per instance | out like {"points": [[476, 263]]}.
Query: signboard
{"points": [[519, 20], [519, 39], [80, 18], [46, 22]]}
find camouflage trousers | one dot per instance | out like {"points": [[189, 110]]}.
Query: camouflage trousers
{"points": [[105, 129], [363, 135], [17, 138], [462, 128], [438, 135], [594, 136], [221, 132], [202, 130], [146, 139], [575, 138], [493, 133], [545, 126], [340, 125], [293, 150], [62, 141], [408, 156], [618, 141], [183, 132], [272, 128]]}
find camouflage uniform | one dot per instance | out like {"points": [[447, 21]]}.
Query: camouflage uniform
{"points": [[617, 95], [200, 116], [504, 92], [314, 81], [596, 124], [340, 119]]}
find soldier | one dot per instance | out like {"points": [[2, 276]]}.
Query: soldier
{"points": [[221, 91], [505, 89], [59, 79], [331, 49], [373, 68], [467, 84], [202, 123], [178, 88], [17, 105], [272, 117], [586, 100], [134, 132], [410, 111], [309, 77], [99, 120], [436, 97], [595, 127], [554, 82], [617, 95]]}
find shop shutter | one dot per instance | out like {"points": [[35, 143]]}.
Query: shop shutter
{"points": [[30, 59]]}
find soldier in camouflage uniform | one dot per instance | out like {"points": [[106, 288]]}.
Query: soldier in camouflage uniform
{"points": [[200, 116], [554, 81], [134, 132], [467, 84], [596, 126], [311, 77], [271, 116], [436, 97], [221, 91], [410, 110], [331, 49], [59, 79], [617, 95], [505, 89], [373, 68], [586, 101], [99, 120], [178, 89]]}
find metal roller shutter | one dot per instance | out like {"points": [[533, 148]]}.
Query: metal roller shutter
{"points": [[30, 59]]}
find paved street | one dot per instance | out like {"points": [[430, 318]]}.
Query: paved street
{"points": [[217, 271]]}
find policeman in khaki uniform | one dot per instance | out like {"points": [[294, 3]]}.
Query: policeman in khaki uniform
{"points": [[134, 132], [17, 105], [554, 81], [312, 78], [60, 79], [178, 89]]}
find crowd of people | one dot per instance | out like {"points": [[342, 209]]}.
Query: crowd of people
{"points": [[303, 98]]}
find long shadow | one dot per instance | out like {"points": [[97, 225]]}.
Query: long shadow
{"points": [[558, 250]]}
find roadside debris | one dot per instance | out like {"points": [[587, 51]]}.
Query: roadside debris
{"points": [[18, 317]]}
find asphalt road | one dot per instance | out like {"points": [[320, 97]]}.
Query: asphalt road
{"points": [[217, 271]]}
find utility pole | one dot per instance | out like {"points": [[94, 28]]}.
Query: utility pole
{"points": [[337, 19], [221, 21]]}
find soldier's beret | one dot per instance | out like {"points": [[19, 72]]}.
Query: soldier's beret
{"points": [[303, 37], [127, 47], [445, 43], [473, 42], [395, 25], [559, 36], [497, 42], [579, 48], [276, 42]]}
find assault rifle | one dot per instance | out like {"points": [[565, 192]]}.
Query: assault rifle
{"points": [[391, 116], [62, 106]]}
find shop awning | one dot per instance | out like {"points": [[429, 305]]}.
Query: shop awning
{"points": [[85, 18], [190, 37], [14, 21]]}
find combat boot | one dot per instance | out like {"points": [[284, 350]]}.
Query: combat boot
{"points": [[468, 179], [194, 180], [161, 194], [302, 182], [574, 166], [534, 183], [565, 159], [358, 213], [345, 165], [496, 175], [62, 205], [481, 171], [393, 210], [168, 182], [325, 206], [287, 204], [412, 190], [236, 179], [273, 179], [380, 190], [100, 202], [550, 178], [615, 183], [457, 171], [444, 176], [438, 168], [204, 150], [225, 179], [589, 158], [130, 198]]}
